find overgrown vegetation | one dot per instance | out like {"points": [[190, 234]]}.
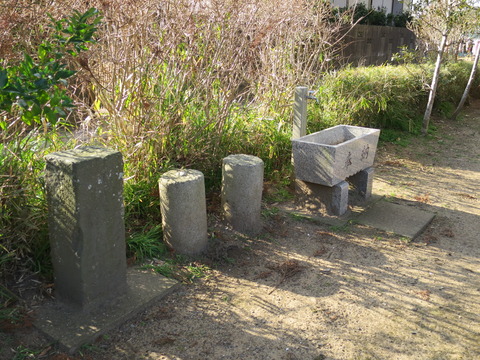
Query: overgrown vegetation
{"points": [[146, 244], [169, 84], [173, 84], [387, 97], [33, 101]]}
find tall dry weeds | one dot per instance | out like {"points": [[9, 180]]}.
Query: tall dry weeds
{"points": [[183, 82], [168, 77], [166, 72]]}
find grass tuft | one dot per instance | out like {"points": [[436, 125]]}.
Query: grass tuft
{"points": [[146, 244]]}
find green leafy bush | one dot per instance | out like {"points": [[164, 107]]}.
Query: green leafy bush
{"points": [[362, 15], [35, 90], [453, 78]]}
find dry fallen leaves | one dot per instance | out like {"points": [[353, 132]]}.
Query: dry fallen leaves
{"points": [[425, 198], [448, 233], [467, 196], [320, 252], [263, 275], [424, 294], [397, 163], [286, 270]]}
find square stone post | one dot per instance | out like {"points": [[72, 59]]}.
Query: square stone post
{"points": [[95, 292], [87, 232], [300, 112]]}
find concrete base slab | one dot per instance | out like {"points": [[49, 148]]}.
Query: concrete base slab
{"points": [[74, 328], [357, 206], [399, 219]]}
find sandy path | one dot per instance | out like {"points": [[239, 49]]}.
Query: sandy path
{"points": [[309, 291]]}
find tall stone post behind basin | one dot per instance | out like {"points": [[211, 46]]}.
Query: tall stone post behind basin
{"points": [[184, 211], [87, 233], [300, 112], [242, 184]]}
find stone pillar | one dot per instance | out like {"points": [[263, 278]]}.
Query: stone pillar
{"points": [[362, 182], [300, 112], [242, 185], [315, 196], [184, 211], [87, 233]]}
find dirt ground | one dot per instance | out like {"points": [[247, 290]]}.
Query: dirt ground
{"points": [[306, 290]]}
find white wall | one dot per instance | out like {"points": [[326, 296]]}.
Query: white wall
{"points": [[345, 3], [374, 4], [383, 4], [340, 3]]}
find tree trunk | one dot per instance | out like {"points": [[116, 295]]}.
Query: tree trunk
{"points": [[434, 85], [469, 84]]}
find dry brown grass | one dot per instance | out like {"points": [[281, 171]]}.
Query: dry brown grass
{"points": [[166, 72], [171, 83]]}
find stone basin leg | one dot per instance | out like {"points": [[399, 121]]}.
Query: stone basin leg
{"points": [[362, 182], [315, 196]]}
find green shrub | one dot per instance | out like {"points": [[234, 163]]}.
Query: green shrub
{"points": [[402, 20], [384, 97], [387, 97], [33, 92], [453, 79], [361, 14]]}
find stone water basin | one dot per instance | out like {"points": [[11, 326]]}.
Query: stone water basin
{"points": [[330, 156]]}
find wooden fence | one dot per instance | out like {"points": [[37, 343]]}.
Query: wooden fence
{"points": [[374, 45]]}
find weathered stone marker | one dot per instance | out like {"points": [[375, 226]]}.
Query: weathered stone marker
{"points": [[242, 185], [87, 232], [95, 291], [184, 211]]}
